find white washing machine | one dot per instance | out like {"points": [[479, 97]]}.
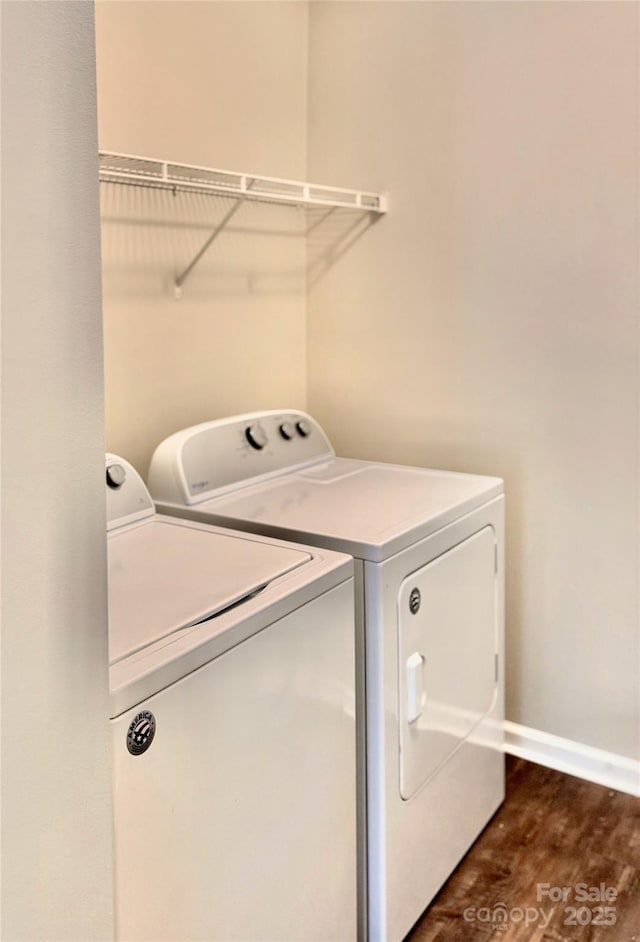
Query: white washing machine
{"points": [[233, 730], [429, 563]]}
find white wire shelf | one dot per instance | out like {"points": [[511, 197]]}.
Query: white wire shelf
{"points": [[163, 174], [130, 170]]}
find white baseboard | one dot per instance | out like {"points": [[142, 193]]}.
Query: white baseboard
{"points": [[573, 758]]}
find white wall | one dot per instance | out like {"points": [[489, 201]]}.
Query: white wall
{"points": [[220, 85], [56, 796], [490, 322]]}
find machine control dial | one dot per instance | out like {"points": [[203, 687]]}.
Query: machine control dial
{"points": [[303, 427], [287, 431], [256, 436], [115, 475]]}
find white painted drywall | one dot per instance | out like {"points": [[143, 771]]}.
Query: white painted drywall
{"points": [[490, 322], [220, 85], [56, 793]]}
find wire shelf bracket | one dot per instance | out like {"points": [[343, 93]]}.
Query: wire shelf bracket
{"points": [[161, 174]]}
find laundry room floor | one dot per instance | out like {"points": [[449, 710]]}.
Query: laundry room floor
{"points": [[559, 862]]}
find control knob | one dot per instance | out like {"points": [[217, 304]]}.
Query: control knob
{"points": [[256, 436], [115, 475], [303, 427], [287, 431]]}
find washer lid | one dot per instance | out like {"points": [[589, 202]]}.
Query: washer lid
{"points": [[368, 509], [166, 574]]}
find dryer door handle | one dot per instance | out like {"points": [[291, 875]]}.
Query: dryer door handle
{"points": [[415, 686]]}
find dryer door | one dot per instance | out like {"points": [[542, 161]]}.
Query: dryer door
{"points": [[448, 643]]}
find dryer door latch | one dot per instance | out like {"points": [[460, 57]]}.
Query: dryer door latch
{"points": [[415, 686]]}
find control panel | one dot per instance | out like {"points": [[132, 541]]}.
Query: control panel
{"points": [[195, 464], [127, 496]]}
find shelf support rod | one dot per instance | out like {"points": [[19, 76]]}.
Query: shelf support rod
{"points": [[182, 277]]}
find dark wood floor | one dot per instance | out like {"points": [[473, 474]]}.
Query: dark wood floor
{"points": [[552, 829]]}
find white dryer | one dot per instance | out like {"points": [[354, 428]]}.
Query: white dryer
{"points": [[429, 564], [233, 730]]}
